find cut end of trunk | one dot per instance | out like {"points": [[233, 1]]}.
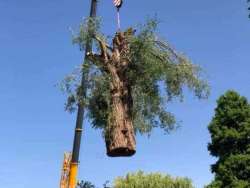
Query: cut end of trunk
{"points": [[120, 144], [121, 152]]}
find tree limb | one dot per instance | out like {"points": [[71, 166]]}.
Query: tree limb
{"points": [[96, 58], [104, 48]]}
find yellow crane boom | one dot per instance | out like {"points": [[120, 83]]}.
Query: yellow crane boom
{"points": [[71, 160], [64, 182]]}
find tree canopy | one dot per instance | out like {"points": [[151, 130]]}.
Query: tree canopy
{"points": [[152, 180], [230, 142], [85, 184], [248, 1], [157, 74], [142, 180]]}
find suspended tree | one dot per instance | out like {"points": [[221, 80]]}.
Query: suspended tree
{"points": [[133, 75], [230, 133]]}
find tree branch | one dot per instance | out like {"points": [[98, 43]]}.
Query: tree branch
{"points": [[96, 58], [104, 48]]}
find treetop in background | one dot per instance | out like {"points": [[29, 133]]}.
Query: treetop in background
{"points": [[230, 142], [152, 180], [142, 180]]}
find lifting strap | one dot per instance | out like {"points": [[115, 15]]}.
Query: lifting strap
{"points": [[118, 19], [118, 5]]}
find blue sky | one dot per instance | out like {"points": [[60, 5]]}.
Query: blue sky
{"points": [[36, 52]]}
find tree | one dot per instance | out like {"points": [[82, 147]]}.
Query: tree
{"points": [[152, 180], [85, 184], [248, 1], [230, 142], [130, 83], [142, 180]]}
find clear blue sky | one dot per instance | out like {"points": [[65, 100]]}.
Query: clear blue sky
{"points": [[36, 52]]}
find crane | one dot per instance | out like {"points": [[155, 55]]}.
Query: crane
{"points": [[64, 182], [71, 159]]}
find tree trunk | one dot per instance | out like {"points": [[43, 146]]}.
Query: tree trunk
{"points": [[120, 138], [119, 131]]}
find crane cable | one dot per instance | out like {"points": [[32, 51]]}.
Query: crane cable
{"points": [[118, 5]]}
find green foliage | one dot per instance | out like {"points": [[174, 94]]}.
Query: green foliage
{"points": [[157, 75], [248, 1], [88, 28], [153, 180], [230, 135], [85, 184]]}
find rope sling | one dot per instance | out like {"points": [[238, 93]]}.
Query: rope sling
{"points": [[118, 5]]}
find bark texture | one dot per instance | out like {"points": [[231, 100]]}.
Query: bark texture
{"points": [[119, 133]]}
